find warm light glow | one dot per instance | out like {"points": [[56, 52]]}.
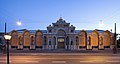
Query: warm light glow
{"points": [[19, 23], [7, 37], [61, 40]]}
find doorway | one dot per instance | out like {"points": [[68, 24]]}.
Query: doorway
{"points": [[61, 42]]}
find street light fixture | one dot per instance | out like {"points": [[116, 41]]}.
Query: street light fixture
{"points": [[7, 38], [115, 43]]}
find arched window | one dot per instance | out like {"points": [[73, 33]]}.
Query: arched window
{"points": [[71, 43], [26, 38], [39, 38], [50, 42], [106, 38], [72, 31], [50, 31], [61, 32], [94, 38], [14, 38], [61, 38], [82, 38]]}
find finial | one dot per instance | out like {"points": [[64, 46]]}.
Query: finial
{"points": [[60, 17]]}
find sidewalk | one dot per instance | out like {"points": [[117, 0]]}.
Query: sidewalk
{"points": [[63, 51]]}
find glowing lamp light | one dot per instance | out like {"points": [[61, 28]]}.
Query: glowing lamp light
{"points": [[7, 37], [19, 23]]}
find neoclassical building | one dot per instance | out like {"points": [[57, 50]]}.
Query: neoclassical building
{"points": [[61, 35]]}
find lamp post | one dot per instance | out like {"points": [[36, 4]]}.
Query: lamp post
{"points": [[115, 43], [4, 46], [7, 38]]}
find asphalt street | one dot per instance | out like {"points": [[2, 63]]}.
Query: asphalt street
{"points": [[61, 58]]}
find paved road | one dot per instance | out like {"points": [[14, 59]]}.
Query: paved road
{"points": [[61, 58]]}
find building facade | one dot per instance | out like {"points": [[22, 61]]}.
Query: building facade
{"points": [[61, 35]]}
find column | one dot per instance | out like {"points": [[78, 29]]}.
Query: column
{"points": [[65, 42], [69, 46], [74, 41], [47, 46], [56, 43], [52, 42]]}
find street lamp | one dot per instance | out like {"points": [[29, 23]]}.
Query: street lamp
{"points": [[7, 38], [115, 43]]}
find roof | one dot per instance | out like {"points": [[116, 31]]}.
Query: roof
{"points": [[89, 31], [45, 31], [31, 31], [60, 20]]}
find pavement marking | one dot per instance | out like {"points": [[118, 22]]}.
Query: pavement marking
{"points": [[32, 61], [19, 61], [34, 54], [58, 61], [86, 61], [112, 61]]}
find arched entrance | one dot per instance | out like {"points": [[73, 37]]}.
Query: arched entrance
{"points": [[106, 39], [82, 39], [14, 39], [94, 39], [38, 39], [26, 38], [61, 38]]}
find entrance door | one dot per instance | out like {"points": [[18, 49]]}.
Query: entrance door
{"points": [[61, 38], [61, 43]]}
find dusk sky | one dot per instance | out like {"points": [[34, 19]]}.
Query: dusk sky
{"points": [[38, 14]]}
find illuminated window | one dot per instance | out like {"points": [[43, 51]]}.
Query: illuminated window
{"points": [[60, 40]]}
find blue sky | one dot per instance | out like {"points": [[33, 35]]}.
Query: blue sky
{"points": [[38, 14]]}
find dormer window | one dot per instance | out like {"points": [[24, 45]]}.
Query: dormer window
{"points": [[50, 31], [72, 31], [50, 25]]}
